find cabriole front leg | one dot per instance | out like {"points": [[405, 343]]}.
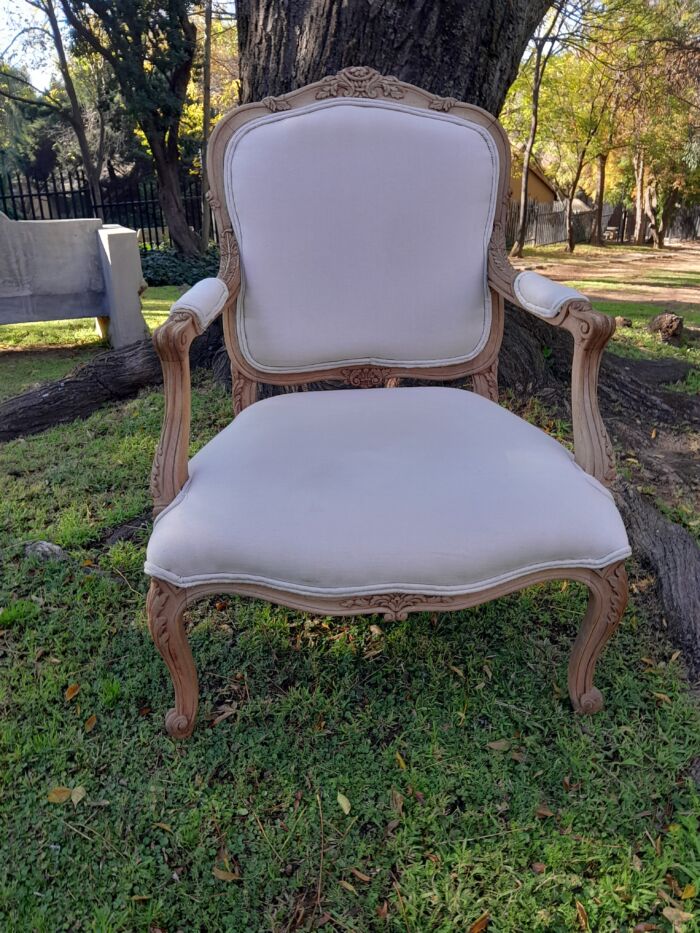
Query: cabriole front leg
{"points": [[165, 606], [606, 606]]}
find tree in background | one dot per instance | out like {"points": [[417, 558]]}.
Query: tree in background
{"points": [[151, 50], [574, 103], [62, 101]]}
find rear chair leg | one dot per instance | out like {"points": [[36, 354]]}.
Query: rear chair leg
{"points": [[165, 605], [606, 605]]}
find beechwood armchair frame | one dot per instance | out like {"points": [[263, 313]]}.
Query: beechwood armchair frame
{"points": [[190, 316]]}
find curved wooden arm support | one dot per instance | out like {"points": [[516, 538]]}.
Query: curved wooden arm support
{"points": [[172, 341], [591, 332]]}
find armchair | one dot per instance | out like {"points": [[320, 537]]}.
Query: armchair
{"points": [[361, 223]]}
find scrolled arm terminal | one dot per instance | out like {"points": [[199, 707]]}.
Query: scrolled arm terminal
{"points": [[189, 316], [565, 307]]}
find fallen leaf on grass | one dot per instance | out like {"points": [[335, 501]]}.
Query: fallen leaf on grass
{"points": [[58, 795], [71, 691], [543, 811], [347, 886], [457, 670], [479, 925], [400, 761], [77, 794], [582, 916], [645, 927], [90, 723], [140, 897], [662, 697], [397, 801], [676, 917], [689, 891], [501, 745], [383, 910], [344, 803], [538, 867], [164, 826], [225, 875], [360, 875]]}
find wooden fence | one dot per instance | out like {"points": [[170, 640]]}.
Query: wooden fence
{"points": [[546, 223]]}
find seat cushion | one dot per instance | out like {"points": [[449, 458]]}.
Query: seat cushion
{"points": [[429, 490]]}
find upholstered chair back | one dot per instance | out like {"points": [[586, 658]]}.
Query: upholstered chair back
{"points": [[363, 228]]}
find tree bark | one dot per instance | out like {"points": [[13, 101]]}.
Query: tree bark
{"points": [[639, 172], [597, 234], [76, 114], [167, 167], [109, 377], [470, 51], [206, 122], [653, 213]]}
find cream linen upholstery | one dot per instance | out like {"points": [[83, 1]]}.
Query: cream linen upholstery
{"points": [[206, 300], [542, 296], [431, 490], [363, 228]]}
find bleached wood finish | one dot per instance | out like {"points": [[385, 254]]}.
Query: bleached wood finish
{"points": [[166, 603], [364, 83], [172, 341], [591, 331], [606, 605]]}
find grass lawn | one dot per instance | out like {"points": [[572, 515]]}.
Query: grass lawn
{"points": [[472, 788], [52, 349]]}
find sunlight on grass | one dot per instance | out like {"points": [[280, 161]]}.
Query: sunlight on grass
{"points": [[42, 351], [472, 786]]}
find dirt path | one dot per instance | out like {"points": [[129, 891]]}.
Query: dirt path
{"points": [[623, 273]]}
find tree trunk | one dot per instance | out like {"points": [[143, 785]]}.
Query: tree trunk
{"points": [[639, 168], [206, 121], [76, 114], [170, 194], [598, 234], [569, 217], [653, 214], [470, 51], [517, 249]]}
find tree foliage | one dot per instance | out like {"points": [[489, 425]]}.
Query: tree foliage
{"points": [[620, 101]]}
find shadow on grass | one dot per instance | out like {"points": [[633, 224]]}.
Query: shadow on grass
{"points": [[472, 786]]}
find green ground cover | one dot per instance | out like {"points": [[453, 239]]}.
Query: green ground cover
{"points": [[472, 788], [50, 350]]}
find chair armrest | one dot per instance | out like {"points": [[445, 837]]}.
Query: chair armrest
{"points": [[205, 300], [189, 316], [541, 296], [564, 307]]}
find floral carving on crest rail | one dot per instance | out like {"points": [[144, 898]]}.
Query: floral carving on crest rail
{"points": [[360, 81]]}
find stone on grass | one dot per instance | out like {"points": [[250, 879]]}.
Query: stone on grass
{"points": [[44, 550], [667, 325]]}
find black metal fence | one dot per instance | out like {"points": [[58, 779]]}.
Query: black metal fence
{"points": [[62, 196]]}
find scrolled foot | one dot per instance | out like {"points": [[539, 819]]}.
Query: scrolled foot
{"points": [[589, 703], [606, 605], [165, 606], [178, 725]]}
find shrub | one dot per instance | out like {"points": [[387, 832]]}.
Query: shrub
{"points": [[165, 266]]}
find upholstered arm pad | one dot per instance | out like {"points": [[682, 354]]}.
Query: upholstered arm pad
{"points": [[564, 307], [542, 296], [205, 301]]}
